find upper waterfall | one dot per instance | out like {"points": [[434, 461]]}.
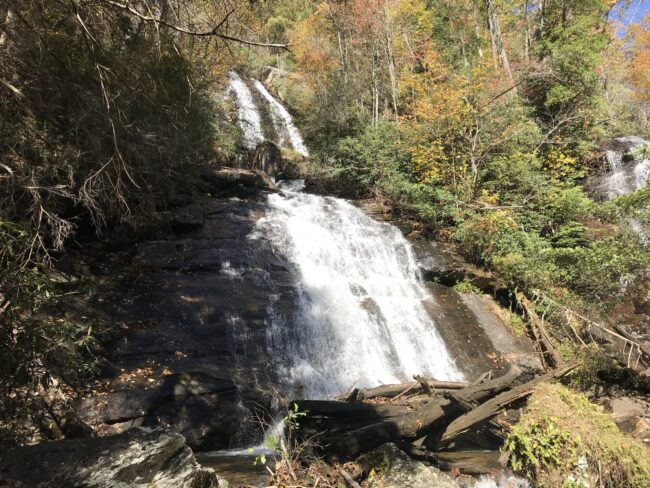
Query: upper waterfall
{"points": [[624, 178], [361, 318], [248, 115], [282, 121]]}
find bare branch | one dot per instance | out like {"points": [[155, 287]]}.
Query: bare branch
{"points": [[214, 32]]}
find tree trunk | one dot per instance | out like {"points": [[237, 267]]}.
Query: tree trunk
{"points": [[498, 47]]}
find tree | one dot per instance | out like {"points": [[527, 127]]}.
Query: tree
{"points": [[640, 67]]}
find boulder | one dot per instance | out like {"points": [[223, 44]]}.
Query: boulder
{"points": [[239, 182], [626, 412], [397, 470], [271, 74], [137, 458]]}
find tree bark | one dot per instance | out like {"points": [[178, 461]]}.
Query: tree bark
{"points": [[498, 46]]}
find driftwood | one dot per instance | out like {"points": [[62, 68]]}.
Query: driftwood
{"points": [[396, 390], [348, 429], [493, 406]]}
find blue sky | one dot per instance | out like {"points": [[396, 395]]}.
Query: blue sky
{"points": [[634, 13]]}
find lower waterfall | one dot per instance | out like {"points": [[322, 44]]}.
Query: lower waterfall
{"points": [[361, 320]]}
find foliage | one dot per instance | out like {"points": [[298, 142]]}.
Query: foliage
{"points": [[106, 119], [466, 287], [34, 347], [562, 439], [539, 445], [640, 64]]}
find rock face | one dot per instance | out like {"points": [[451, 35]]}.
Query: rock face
{"points": [[268, 158], [397, 470], [195, 319], [191, 315], [137, 458]]}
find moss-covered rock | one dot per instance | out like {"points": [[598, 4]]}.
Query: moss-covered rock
{"points": [[565, 440]]}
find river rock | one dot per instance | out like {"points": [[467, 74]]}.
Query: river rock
{"points": [[397, 470], [137, 458]]}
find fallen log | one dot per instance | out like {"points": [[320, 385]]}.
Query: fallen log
{"points": [[348, 429], [394, 390], [493, 406], [479, 391]]}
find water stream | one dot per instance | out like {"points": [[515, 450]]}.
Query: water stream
{"points": [[248, 115], [624, 177], [361, 319], [282, 121]]}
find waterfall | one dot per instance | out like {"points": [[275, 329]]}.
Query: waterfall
{"points": [[282, 121], [624, 178], [248, 115], [361, 320]]}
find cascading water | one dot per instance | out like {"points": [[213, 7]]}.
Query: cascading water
{"points": [[282, 121], [248, 115], [362, 320], [624, 178]]}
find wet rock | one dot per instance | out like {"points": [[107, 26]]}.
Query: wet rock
{"points": [[268, 158], [190, 322], [137, 458], [397, 470], [239, 182], [439, 262], [189, 217]]}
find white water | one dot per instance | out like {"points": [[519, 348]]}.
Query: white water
{"points": [[361, 319], [624, 179], [282, 121], [248, 115]]}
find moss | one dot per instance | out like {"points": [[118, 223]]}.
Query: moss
{"points": [[565, 440]]}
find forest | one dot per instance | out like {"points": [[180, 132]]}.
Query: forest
{"points": [[485, 125]]}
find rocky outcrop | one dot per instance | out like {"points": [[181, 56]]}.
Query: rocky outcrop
{"points": [[268, 158], [137, 458], [277, 164], [192, 317], [189, 317]]}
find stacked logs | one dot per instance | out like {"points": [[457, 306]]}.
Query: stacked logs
{"points": [[423, 412]]}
